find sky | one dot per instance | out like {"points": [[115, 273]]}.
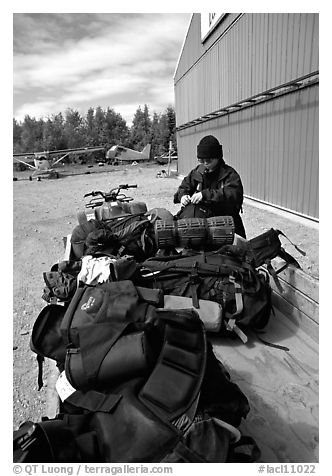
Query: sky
{"points": [[82, 60]]}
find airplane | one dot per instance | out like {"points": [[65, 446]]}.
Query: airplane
{"points": [[118, 153], [43, 163], [44, 166]]}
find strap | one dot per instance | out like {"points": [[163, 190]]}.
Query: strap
{"points": [[177, 216], [232, 327], [235, 433], [181, 364], [40, 361], [238, 295], [194, 297], [288, 258], [143, 235], [269, 344], [274, 275], [147, 273], [68, 317], [231, 323], [303, 253], [194, 281], [238, 299]]}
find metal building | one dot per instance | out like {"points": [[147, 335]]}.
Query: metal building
{"points": [[252, 81]]}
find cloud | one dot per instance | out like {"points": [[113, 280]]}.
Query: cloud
{"points": [[37, 109], [101, 59]]}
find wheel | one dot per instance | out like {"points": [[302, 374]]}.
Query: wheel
{"points": [[81, 217]]}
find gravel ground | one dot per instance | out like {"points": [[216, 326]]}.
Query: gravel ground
{"points": [[45, 211]]}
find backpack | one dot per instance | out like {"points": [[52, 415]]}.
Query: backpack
{"points": [[59, 286], [129, 235], [79, 235], [105, 330], [224, 276], [90, 325], [263, 248], [136, 237], [186, 399]]}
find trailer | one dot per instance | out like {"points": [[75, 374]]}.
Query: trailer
{"points": [[281, 386]]}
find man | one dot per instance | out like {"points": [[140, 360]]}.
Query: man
{"points": [[213, 185]]}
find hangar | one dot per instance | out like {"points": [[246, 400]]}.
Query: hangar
{"points": [[252, 80]]}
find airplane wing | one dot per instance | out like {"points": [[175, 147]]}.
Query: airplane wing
{"points": [[48, 154], [25, 163], [80, 150], [26, 154]]}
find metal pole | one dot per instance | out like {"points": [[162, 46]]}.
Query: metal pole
{"points": [[170, 147]]}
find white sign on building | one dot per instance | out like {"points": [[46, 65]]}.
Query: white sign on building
{"points": [[208, 22]]}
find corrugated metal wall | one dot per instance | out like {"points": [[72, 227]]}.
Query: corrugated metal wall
{"points": [[258, 52], [274, 145], [193, 48]]}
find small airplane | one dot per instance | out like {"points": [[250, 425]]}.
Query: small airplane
{"points": [[43, 163], [118, 153]]}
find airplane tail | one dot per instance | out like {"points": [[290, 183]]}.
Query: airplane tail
{"points": [[146, 151]]}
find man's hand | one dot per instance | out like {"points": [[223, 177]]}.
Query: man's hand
{"points": [[196, 198], [185, 200]]}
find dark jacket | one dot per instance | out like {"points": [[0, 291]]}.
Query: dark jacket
{"points": [[222, 191]]}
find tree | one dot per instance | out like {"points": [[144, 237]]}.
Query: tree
{"points": [[53, 133], [97, 128], [116, 128], [73, 129], [32, 134], [17, 132], [171, 125], [100, 124], [163, 131], [89, 128], [157, 147], [141, 130]]}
